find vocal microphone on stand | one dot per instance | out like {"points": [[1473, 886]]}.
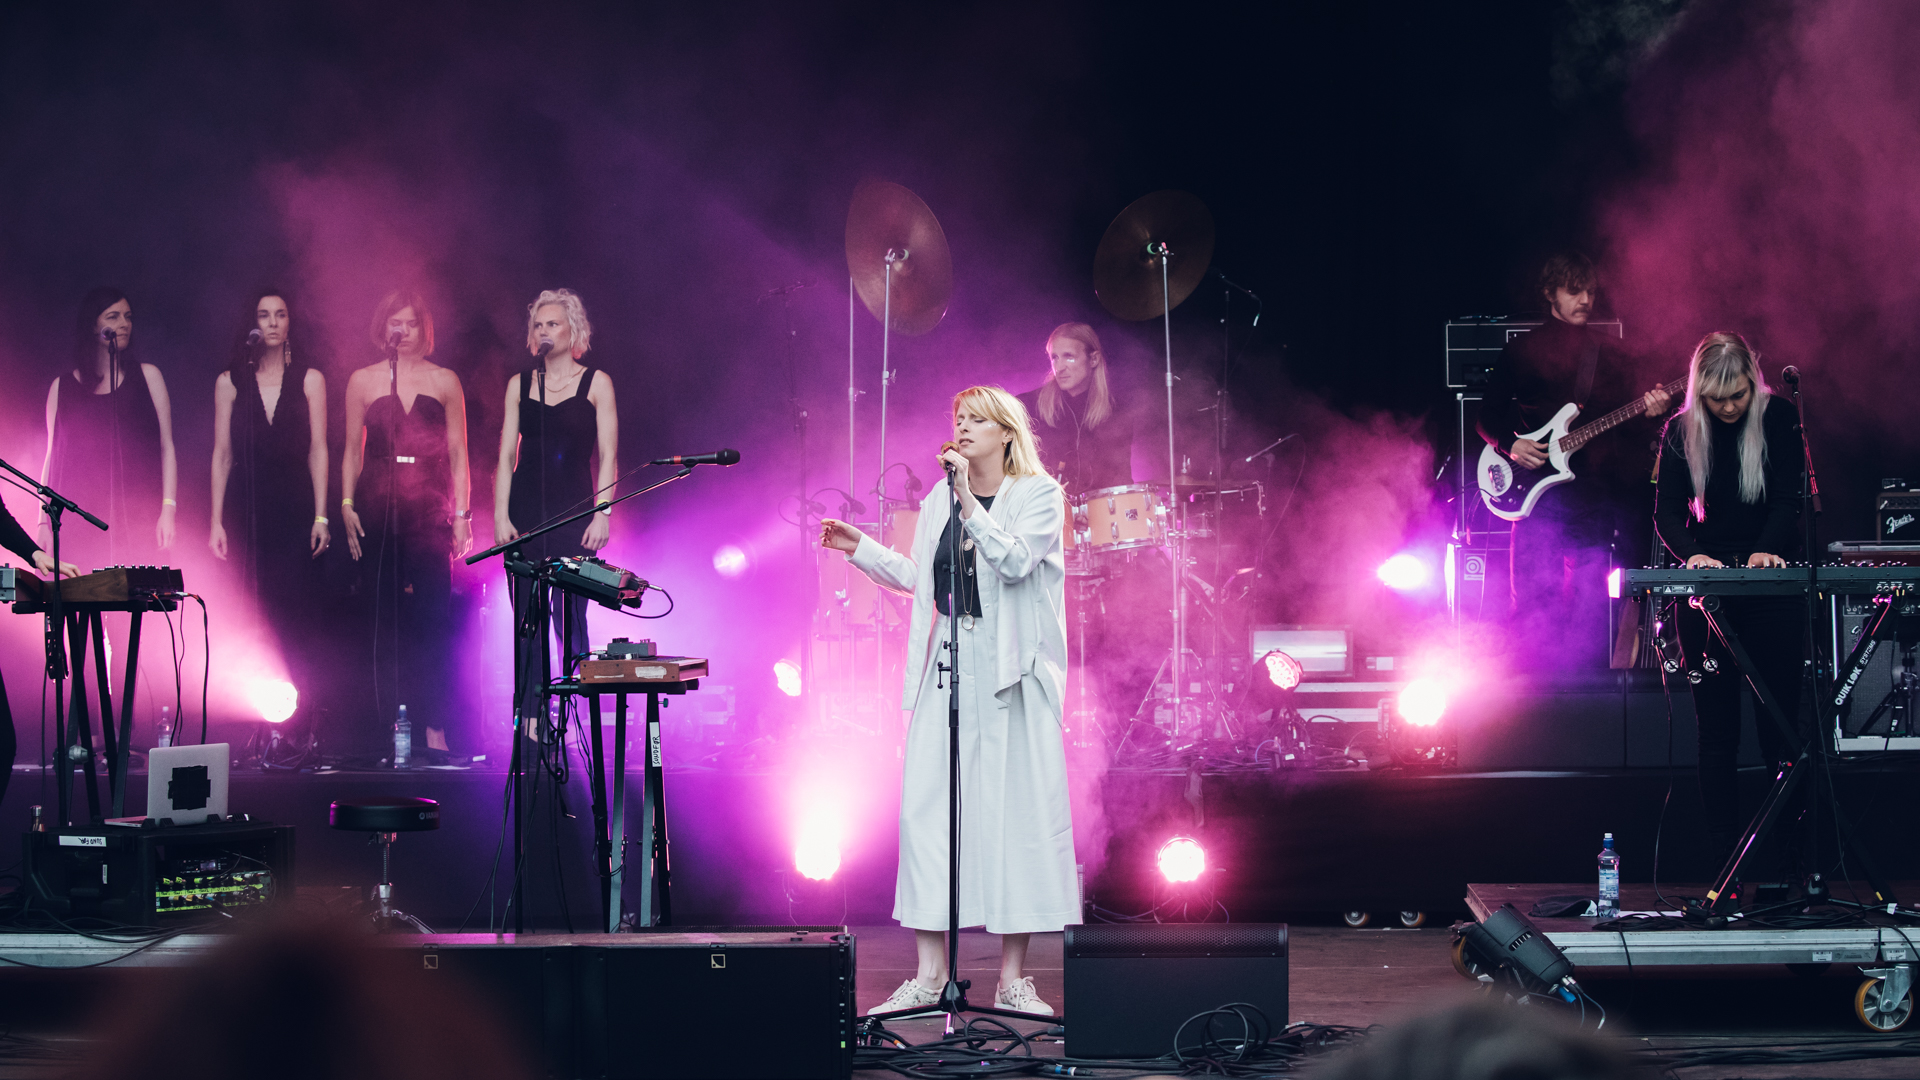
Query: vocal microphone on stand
{"points": [[718, 457], [254, 338], [1791, 374]]}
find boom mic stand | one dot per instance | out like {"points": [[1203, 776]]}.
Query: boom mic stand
{"points": [[953, 996], [57, 504], [537, 577]]}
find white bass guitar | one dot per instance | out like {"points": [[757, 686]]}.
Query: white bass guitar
{"points": [[1511, 491]]}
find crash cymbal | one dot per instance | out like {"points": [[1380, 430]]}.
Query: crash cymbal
{"points": [[884, 218], [1126, 271], [1195, 482]]}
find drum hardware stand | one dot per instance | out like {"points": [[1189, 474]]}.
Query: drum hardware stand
{"points": [[535, 623], [1086, 717], [953, 996]]}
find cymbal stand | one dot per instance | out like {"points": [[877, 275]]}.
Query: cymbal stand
{"points": [[894, 256], [1159, 250]]}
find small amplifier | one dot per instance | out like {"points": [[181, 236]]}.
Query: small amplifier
{"points": [[1896, 516], [1476, 341], [1133, 985], [158, 876]]}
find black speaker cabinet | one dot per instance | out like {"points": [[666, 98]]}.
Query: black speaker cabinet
{"points": [[1130, 986], [687, 1003]]}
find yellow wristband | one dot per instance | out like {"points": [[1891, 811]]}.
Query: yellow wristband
{"points": [[346, 502], [320, 519], [168, 502]]}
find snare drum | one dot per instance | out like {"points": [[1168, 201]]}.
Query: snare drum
{"points": [[1124, 518], [1073, 548]]}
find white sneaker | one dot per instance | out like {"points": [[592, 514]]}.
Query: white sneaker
{"points": [[1020, 998], [911, 995]]}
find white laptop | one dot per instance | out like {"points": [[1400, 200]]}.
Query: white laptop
{"points": [[187, 784]]}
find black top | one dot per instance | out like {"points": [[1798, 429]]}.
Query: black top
{"points": [[1733, 529], [14, 538], [943, 565], [407, 460], [553, 475], [1538, 372], [106, 457], [270, 508], [1082, 458]]}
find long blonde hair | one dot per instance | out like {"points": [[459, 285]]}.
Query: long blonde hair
{"points": [[1719, 361], [1099, 399], [1021, 457]]}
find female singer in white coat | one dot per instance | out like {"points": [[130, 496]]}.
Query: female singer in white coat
{"points": [[1016, 833]]}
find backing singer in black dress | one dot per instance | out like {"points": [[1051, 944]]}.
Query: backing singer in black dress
{"points": [[559, 417]]}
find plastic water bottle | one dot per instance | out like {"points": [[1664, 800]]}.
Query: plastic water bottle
{"points": [[166, 725], [403, 742], [1609, 905]]}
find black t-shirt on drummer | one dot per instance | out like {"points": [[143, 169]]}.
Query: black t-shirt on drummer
{"points": [[1082, 458], [943, 565]]}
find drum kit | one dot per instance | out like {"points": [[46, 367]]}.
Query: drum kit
{"points": [[1151, 259]]}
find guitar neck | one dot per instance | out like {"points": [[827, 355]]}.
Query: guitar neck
{"points": [[1580, 436]]}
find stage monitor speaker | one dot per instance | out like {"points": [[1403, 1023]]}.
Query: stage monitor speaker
{"points": [[662, 1003], [1130, 986]]}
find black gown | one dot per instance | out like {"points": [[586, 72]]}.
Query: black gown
{"points": [[553, 477], [269, 505], [106, 458], [405, 579]]}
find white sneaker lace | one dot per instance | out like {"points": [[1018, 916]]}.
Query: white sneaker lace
{"points": [[1020, 994], [910, 995]]}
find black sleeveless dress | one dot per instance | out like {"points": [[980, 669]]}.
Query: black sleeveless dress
{"points": [[269, 505], [106, 457], [405, 578], [554, 474]]}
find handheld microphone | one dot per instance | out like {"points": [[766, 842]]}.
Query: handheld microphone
{"points": [[718, 457], [1791, 374], [944, 463]]}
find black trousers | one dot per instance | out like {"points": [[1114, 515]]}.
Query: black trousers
{"points": [[1773, 630]]}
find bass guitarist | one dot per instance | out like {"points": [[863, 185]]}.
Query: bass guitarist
{"points": [[1560, 553]]}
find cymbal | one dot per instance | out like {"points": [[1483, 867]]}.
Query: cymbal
{"points": [[1126, 274], [1194, 482], [886, 217]]}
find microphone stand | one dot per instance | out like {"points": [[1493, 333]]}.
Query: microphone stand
{"points": [[56, 505], [532, 627]]}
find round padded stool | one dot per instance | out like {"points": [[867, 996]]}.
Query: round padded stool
{"points": [[386, 817]]}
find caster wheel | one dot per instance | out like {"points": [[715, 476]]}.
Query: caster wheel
{"points": [[1356, 919], [1467, 967], [1870, 1005], [1413, 920]]}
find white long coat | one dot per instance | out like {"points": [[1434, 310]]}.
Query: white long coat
{"points": [[1017, 866]]}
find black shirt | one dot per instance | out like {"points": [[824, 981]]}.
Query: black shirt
{"points": [[943, 565], [1082, 458], [1538, 373], [14, 538], [1733, 529]]}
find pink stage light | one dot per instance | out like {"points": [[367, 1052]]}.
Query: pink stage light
{"points": [[1422, 702], [729, 561], [1282, 670], [274, 699], [817, 853], [1182, 860], [787, 674], [1404, 572], [1613, 583]]}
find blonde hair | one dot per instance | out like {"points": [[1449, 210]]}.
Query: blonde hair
{"points": [[1099, 399], [1719, 361], [577, 325], [1021, 457]]}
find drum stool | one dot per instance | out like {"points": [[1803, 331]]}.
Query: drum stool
{"points": [[386, 817]]}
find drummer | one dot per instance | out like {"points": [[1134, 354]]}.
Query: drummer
{"points": [[1085, 441]]}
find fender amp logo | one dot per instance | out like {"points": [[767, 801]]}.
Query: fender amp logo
{"points": [[1896, 523]]}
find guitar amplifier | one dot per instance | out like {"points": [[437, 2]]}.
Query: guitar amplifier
{"points": [[1475, 341], [1896, 516]]}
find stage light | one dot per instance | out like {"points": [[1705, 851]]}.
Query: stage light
{"points": [[274, 699], [817, 854], [729, 561], [1403, 572], [1422, 702], [787, 674], [1182, 860], [1613, 584], [1282, 670]]}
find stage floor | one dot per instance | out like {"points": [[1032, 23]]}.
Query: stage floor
{"points": [[1337, 975]]}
